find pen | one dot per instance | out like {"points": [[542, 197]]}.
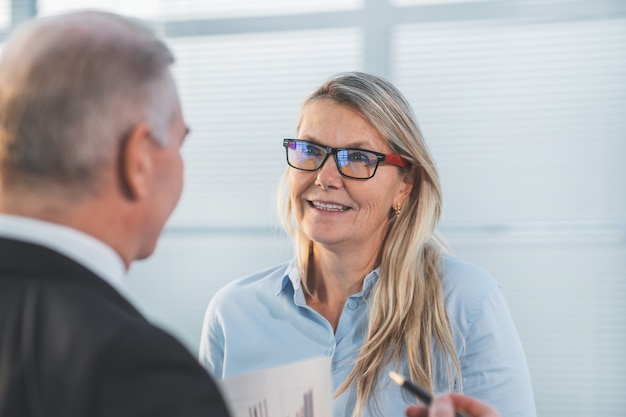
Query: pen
{"points": [[419, 392]]}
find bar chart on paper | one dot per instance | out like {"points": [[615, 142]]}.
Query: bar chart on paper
{"points": [[285, 406], [301, 389]]}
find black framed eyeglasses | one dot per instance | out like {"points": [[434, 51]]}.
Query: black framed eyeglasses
{"points": [[351, 162]]}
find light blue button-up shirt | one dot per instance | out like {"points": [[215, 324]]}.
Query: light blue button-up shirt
{"points": [[262, 321]]}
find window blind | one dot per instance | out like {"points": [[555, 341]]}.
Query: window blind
{"points": [[521, 102], [525, 119], [5, 14], [242, 95], [199, 9]]}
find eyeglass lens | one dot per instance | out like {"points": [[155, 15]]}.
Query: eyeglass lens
{"points": [[355, 163]]}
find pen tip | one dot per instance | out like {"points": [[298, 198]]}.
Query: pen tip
{"points": [[397, 378]]}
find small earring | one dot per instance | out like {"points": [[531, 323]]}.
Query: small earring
{"points": [[397, 209]]}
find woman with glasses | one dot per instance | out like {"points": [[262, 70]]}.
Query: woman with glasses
{"points": [[370, 284]]}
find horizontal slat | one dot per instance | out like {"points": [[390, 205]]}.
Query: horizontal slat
{"points": [[196, 9]]}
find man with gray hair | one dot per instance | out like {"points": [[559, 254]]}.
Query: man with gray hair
{"points": [[90, 169]]}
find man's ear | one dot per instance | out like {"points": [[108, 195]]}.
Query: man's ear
{"points": [[136, 162]]}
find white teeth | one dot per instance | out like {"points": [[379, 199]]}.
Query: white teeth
{"points": [[329, 207]]}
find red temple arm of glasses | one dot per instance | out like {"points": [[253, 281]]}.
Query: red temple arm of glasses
{"points": [[396, 159]]}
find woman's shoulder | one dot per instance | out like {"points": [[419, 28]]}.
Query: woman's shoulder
{"points": [[458, 272], [465, 285]]}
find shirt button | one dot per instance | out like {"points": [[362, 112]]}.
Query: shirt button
{"points": [[352, 305], [329, 352]]}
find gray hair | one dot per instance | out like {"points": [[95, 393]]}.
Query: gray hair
{"points": [[71, 88]]}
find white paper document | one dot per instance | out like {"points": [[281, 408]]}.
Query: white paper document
{"points": [[300, 389]]}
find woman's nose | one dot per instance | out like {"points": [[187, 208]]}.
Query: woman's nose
{"points": [[328, 176]]}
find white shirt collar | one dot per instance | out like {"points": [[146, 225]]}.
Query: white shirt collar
{"points": [[93, 254]]}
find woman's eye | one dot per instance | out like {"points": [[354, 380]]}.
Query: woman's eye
{"points": [[311, 150], [357, 156]]}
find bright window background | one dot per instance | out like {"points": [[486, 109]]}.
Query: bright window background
{"points": [[196, 9], [255, 84], [144, 9], [521, 101], [181, 9], [524, 121], [5, 14], [539, 104], [433, 2]]}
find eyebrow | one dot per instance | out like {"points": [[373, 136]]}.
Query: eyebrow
{"points": [[359, 145]]}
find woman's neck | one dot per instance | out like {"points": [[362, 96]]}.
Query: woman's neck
{"points": [[333, 277]]}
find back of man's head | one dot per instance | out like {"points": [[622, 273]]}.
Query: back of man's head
{"points": [[71, 88]]}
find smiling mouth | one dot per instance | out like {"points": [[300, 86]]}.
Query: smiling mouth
{"points": [[329, 207]]}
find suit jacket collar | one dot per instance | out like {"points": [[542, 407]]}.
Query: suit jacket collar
{"points": [[27, 260]]}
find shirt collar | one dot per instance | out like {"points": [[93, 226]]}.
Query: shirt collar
{"points": [[80, 247], [369, 281], [292, 275]]}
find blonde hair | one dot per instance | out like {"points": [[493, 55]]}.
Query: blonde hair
{"points": [[407, 314]]}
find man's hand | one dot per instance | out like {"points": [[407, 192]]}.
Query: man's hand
{"points": [[447, 406]]}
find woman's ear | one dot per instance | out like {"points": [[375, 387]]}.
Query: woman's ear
{"points": [[408, 179], [136, 163]]}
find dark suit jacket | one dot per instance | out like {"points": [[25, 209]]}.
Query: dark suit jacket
{"points": [[71, 346]]}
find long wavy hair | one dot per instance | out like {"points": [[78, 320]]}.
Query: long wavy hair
{"points": [[407, 314]]}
